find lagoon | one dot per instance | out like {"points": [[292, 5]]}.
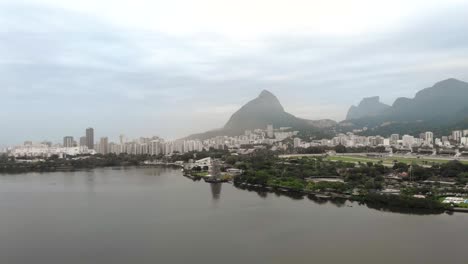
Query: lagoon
{"points": [[155, 215]]}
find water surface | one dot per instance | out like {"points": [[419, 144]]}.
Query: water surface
{"points": [[155, 215]]}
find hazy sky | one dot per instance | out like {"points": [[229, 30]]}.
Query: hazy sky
{"points": [[171, 68]]}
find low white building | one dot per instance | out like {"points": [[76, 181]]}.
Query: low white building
{"points": [[234, 171], [454, 200], [202, 163], [41, 150]]}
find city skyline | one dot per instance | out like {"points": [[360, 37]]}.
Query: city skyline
{"points": [[151, 73], [89, 138], [269, 136]]}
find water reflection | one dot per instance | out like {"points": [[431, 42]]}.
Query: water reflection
{"points": [[338, 202], [292, 195], [90, 181], [400, 210], [317, 200], [156, 171], [262, 192], [216, 190]]}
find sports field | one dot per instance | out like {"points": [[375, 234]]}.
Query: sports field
{"points": [[390, 160]]}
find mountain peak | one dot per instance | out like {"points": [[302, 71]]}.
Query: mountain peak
{"points": [[441, 104], [262, 111], [368, 106], [450, 81], [445, 88], [266, 93], [266, 101], [370, 100], [265, 110]]}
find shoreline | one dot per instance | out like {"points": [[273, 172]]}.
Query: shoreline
{"points": [[271, 189], [352, 198], [74, 169]]}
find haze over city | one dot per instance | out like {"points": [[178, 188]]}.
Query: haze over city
{"points": [[172, 69]]}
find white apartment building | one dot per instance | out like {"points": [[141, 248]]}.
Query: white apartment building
{"points": [[297, 142], [429, 138], [408, 141]]}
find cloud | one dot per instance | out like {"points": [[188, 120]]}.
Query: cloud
{"points": [[64, 67]]}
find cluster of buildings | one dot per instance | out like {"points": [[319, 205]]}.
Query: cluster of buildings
{"points": [[87, 145], [458, 139], [147, 145], [268, 136], [69, 147], [274, 138], [159, 146]]}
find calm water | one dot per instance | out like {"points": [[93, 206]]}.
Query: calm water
{"points": [[155, 215]]}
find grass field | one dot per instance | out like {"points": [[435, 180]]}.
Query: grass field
{"points": [[389, 160]]}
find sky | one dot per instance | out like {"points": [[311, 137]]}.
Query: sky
{"points": [[172, 68]]}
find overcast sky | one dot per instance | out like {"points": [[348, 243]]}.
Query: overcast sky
{"points": [[171, 68]]}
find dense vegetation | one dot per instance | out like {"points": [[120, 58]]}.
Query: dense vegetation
{"points": [[263, 168], [362, 180], [54, 163]]}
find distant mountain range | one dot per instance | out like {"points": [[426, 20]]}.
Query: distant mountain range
{"points": [[439, 108], [370, 106], [264, 110], [442, 106]]}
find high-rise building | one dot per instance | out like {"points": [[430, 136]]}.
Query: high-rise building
{"points": [[104, 145], [83, 141], [386, 142], [68, 142], [123, 139], [155, 147], [394, 139], [90, 138], [408, 140], [270, 131], [47, 143], [457, 135], [297, 142], [429, 138], [464, 141]]}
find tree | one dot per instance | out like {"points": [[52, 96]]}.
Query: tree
{"points": [[340, 149], [462, 178], [369, 184], [400, 167], [231, 160]]}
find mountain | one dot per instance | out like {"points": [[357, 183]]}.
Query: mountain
{"points": [[370, 106], [441, 106], [444, 100], [264, 110]]}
